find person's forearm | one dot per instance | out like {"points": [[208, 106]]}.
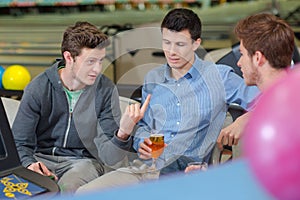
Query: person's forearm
{"points": [[26, 155], [243, 119]]}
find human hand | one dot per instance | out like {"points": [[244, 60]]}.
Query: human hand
{"points": [[40, 168], [232, 133], [145, 152], [144, 149], [132, 115], [196, 166]]}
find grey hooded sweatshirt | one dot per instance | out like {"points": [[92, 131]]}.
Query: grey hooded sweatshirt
{"points": [[44, 123]]}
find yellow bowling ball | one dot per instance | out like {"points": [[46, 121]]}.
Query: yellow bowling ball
{"points": [[15, 77]]}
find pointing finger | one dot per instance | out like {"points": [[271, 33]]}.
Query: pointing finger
{"points": [[145, 105]]}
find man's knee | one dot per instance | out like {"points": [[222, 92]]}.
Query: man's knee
{"points": [[80, 172], [110, 180]]}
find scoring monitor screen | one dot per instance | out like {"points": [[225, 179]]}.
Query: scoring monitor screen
{"points": [[14, 187]]}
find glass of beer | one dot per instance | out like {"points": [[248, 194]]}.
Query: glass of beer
{"points": [[157, 146]]}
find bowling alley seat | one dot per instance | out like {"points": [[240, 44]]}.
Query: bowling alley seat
{"points": [[11, 106]]}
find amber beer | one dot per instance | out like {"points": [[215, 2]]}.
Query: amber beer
{"points": [[157, 144]]}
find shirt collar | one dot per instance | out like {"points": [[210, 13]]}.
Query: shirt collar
{"points": [[193, 73]]}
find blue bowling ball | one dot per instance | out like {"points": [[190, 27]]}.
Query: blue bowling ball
{"points": [[1, 74]]}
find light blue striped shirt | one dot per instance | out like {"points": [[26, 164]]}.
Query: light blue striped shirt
{"points": [[190, 112]]}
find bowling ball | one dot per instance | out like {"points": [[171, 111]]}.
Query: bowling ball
{"points": [[15, 77], [271, 141], [1, 74]]}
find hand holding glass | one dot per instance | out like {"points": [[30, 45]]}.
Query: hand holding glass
{"points": [[157, 147]]}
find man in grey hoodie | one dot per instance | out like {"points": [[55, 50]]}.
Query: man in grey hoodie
{"points": [[69, 123]]}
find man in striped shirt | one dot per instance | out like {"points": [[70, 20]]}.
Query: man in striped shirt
{"points": [[189, 100]]}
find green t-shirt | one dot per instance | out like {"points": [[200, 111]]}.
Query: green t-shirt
{"points": [[72, 97]]}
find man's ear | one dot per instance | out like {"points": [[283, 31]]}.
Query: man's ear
{"points": [[259, 58], [68, 57], [196, 44]]}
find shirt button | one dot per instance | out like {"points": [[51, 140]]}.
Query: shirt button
{"points": [[178, 84], [177, 123], [178, 104], [172, 135]]}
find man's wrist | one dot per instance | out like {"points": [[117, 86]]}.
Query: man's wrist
{"points": [[122, 134]]}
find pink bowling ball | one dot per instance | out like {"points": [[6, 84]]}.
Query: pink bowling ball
{"points": [[272, 138]]}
